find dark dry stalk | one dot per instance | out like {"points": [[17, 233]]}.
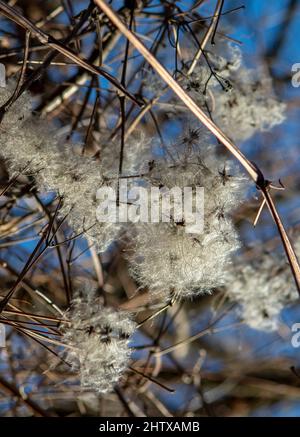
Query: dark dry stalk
{"points": [[170, 390], [38, 251], [53, 53], [15, 94], [81, 111], [121, 98], [211, 29], [49, 41], [124, 402], [58, 251], [219, 13], [13, 390], [90, 126]]}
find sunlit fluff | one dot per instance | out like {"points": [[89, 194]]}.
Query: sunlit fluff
{"points": [[97, 342]]}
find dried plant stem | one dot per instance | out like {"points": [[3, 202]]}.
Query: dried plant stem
{"points": [[14, 15], [81, 78], [13, 390], [209, 31]]}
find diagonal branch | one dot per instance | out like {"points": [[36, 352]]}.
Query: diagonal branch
{"points": [[250, 167]]}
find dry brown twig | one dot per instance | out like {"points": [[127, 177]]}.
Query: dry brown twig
{"points": [[49, 41]]}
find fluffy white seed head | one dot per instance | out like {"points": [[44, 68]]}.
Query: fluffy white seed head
{"points": [[97, 342], [241, 101], [172, 262], [262, 289], [136, 155], [248, 107], [31, 146]]}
